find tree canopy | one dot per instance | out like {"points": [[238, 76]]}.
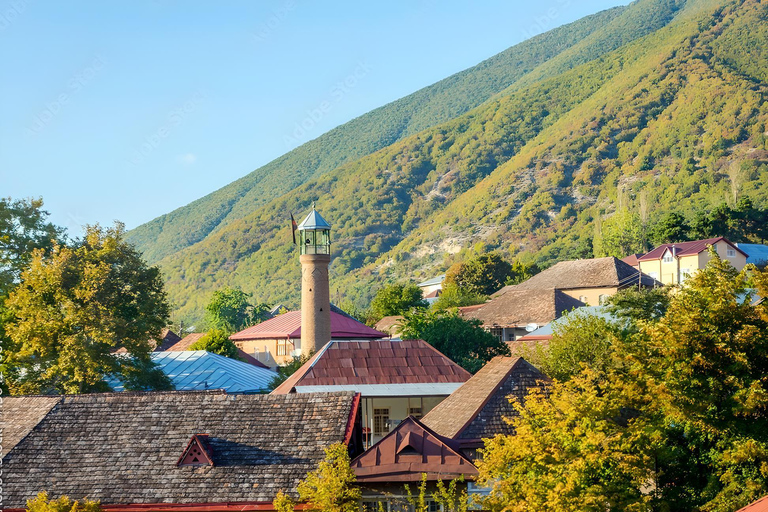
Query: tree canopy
{"points": [[463, 341], [216, 341], [74, 307], [231, 310], [482, 275], [396, 299]]}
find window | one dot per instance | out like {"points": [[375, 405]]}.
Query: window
{"points": [[603, 297], [654, 275], [281, 347], [380, 421], [667, 257], [498, 332], [583, 298], [685, 273], [415, 412], [730, 252]]}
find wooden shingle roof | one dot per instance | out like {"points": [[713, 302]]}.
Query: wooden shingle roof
{"points": [[521, 307], [477, 409], [124, 447], [589, 273], [21, 415]]}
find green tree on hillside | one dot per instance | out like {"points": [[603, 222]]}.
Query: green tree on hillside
{"points": [[231, 310], [481, 275], [216, 341], [396, 299], [453, 296], [620, 235], [74, 307], [670, 228], [463, 341]]}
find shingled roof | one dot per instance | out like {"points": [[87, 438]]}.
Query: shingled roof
{"points": [[124, 447], [21, 415], [592, 273], [477, 409], [521, 307], [354, 364], [288, 325], [686, 248]]}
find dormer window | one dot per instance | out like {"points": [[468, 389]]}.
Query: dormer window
{"points": [[197, 452], [668, 257]]}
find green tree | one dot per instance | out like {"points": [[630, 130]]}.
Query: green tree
{"points": [[230, 309], [330, 488], [521, 271], [23, 228], [451, 498], [670, 228], [481, 275], [647, 304], [216, 341], [463, 341], [620, 235], [74, 307], [453, 296], [41, 503], [579, 340], [396, 299]]}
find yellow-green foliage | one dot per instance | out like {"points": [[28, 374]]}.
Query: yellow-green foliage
{"points": [[41, 503], [330, 488]]}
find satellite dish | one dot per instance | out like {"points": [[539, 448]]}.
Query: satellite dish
{"points": [[531, 327]]}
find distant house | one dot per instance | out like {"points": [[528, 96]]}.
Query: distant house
{"points": [[515, 312], [443, 444], [631, 260], [167, 339], [396, 379], [760, 505], [390, 325], [198, 370], [276, 341], [430, 286], [170, 451], [591, 280], [757, 254], [673, 263]]}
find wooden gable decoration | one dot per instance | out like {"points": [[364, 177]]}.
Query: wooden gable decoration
{"points": [[197, 452], [407, 452]]}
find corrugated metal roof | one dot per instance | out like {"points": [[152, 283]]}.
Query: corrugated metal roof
{"points": [[288, 325], [431, 282], [756, 253], [548, 329], [368, 390], [198, 370]]}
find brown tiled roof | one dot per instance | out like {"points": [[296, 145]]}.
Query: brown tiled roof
{"points": [[375, 362], [521, 307], [477, 409], [408, 452], [123, 447], [591, 273], [631, 260], [187, 341], [21, 414], [389, 325], [687, 248], [288, 325]]}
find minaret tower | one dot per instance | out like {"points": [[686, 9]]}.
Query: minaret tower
{"points": [[315, 246]]}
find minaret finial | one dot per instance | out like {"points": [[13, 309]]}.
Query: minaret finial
{"points": [[313, 205]]}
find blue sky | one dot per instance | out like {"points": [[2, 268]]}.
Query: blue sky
{"points": [[125, 110]]}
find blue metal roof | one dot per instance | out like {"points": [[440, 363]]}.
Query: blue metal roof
{"points": [[435, 280], [756, 253], [548, 329], [314, 221], [198, 370]]}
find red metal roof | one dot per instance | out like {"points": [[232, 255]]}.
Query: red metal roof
{"points": [[760, 505], [686, 248], [288, 325], [345, 363]]}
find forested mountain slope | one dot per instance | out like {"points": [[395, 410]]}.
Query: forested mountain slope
{"points": [[675, 120], [560, 48]]}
